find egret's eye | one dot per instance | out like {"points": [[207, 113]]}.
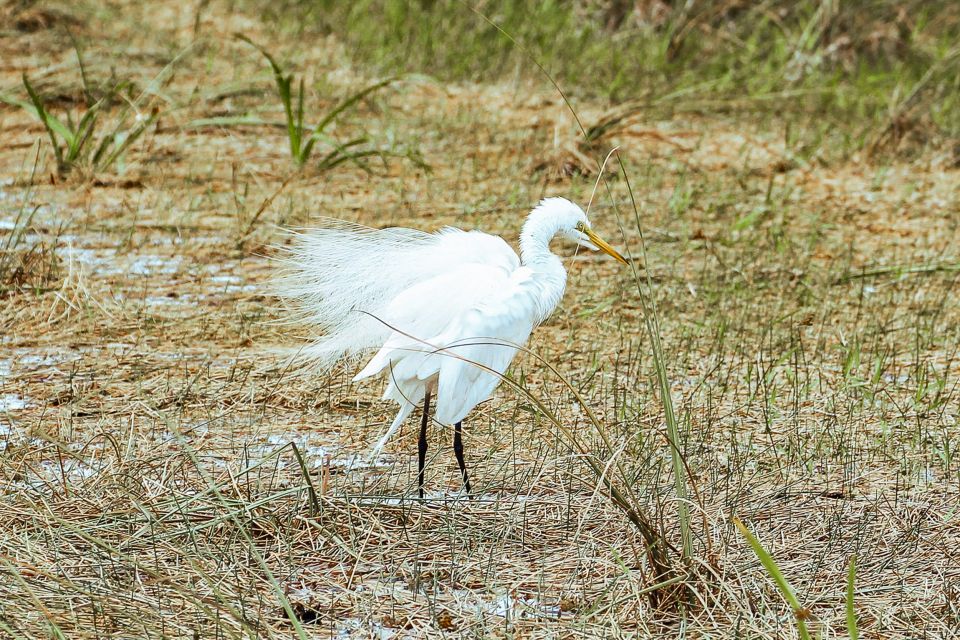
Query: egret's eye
{"points": [[581, 227]]}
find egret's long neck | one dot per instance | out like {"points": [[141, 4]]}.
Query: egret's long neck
{"points": [[550, 278]]}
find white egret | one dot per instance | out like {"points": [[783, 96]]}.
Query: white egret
{"points": [[446, 310]]}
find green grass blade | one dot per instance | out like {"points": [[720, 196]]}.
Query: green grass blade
{"points": [[231, 121], [356, 157], [319, 137], [652, 323], [84, 78], [283, 88], [349, 102], [774, 572], [84, 131], [105, 143], [284, 83], [853, 632], [14, 102], [50, 123], [338, 149], [273, 63], [305, 474], [88, 121], [301, 153], [307, 150]]}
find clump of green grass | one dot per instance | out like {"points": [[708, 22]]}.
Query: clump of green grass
{"points": [[95, 138], [76, 142], [303, 138]]}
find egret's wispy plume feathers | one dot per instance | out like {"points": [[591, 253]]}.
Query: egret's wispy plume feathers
{"points": [[333, 272]]}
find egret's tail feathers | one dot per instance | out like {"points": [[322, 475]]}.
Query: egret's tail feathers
{"points": [[375, 366]]}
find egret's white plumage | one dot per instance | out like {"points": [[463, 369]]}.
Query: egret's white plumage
{"points": [[447, 310]]}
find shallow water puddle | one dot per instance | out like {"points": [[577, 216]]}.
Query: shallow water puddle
{"points": [[13, 402]]}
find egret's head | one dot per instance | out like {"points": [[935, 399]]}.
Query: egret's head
{"points": [[571, 223]]}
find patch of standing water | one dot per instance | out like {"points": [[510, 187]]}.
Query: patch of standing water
{"points": [[165, 301], [226, 278], [30, 360], [12, 402], [35, 361], [229, 282], [149, 265], [507, 606], [318, 455], [101, 262], [85, 256], [357, 628]]}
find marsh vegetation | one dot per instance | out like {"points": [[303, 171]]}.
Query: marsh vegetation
{"points": [[752, 434]]}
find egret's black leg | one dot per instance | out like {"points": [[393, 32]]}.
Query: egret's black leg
{"points": [[422, 442], [458, 451]]}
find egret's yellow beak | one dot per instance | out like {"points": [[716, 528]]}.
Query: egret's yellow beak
{"points": [[602, 245]]}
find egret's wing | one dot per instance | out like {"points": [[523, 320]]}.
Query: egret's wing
{"points": [[472, 328], [345, 278], [478, 348], [424, 313], [464, 345]]}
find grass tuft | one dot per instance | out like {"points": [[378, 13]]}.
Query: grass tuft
{"points": [[96, 138], [302, 138], [78, 143]]}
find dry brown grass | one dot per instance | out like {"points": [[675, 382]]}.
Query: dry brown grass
{"points": [[148, 487]]}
